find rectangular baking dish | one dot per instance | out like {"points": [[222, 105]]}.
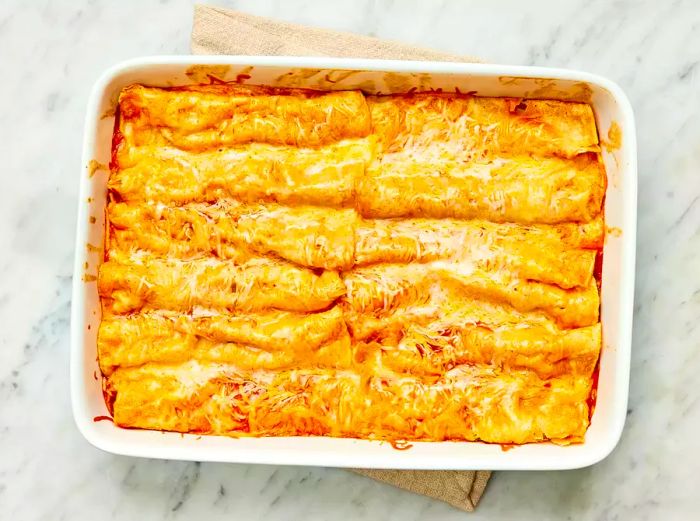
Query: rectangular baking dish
{"points": [[616, 128]]}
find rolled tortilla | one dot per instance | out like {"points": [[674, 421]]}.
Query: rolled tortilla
{"points": [[477, 126], [209, 116], [323, 176], [466, 403], [266, 340], [306, 235], [551, 254], [521, 189], [176, 285], [384, 287]]}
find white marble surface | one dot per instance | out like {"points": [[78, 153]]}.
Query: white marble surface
{"points": [[51, 53]]}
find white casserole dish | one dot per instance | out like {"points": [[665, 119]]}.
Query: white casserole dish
{"points": [[612, 110]]}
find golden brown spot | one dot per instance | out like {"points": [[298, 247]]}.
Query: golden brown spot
{"points": [[401, 83], [205, 73], [94, 166], [614, 139], [367, 86], [244, 74], [109, 113], [337, 76], [296, 77], [509, 80], [400, 444], [548, 88], [580, 91], [613, 231]]}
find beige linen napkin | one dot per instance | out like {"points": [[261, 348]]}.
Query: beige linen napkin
{"points": [[222, 31]]}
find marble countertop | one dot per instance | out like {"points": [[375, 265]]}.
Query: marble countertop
{"points": [[53, 51]]}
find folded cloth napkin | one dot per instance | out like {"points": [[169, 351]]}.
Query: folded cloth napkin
{"points": [[222, 31]]}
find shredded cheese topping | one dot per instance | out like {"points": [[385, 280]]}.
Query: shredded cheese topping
{"points": [[289, 262]]}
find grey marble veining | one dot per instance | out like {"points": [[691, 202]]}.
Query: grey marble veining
{"points": [[52, 52]]}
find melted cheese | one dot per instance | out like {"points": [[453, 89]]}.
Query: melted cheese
{"points": [[466, 403], [324, 176], [531, 190], [475, 126], [289, 262], [214, 116], [443, 156], [155, 283], [532, 253], [260, 340], [442, 344], [309, 236], [390, 286]]}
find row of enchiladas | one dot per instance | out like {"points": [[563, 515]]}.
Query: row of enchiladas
{"points": [[288, 262]]}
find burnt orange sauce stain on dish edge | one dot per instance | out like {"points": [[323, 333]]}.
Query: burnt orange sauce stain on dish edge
{"points": [[94, 166], [593, 397], [204, 73], [614, 139], [400, 444], [613, 231]]}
